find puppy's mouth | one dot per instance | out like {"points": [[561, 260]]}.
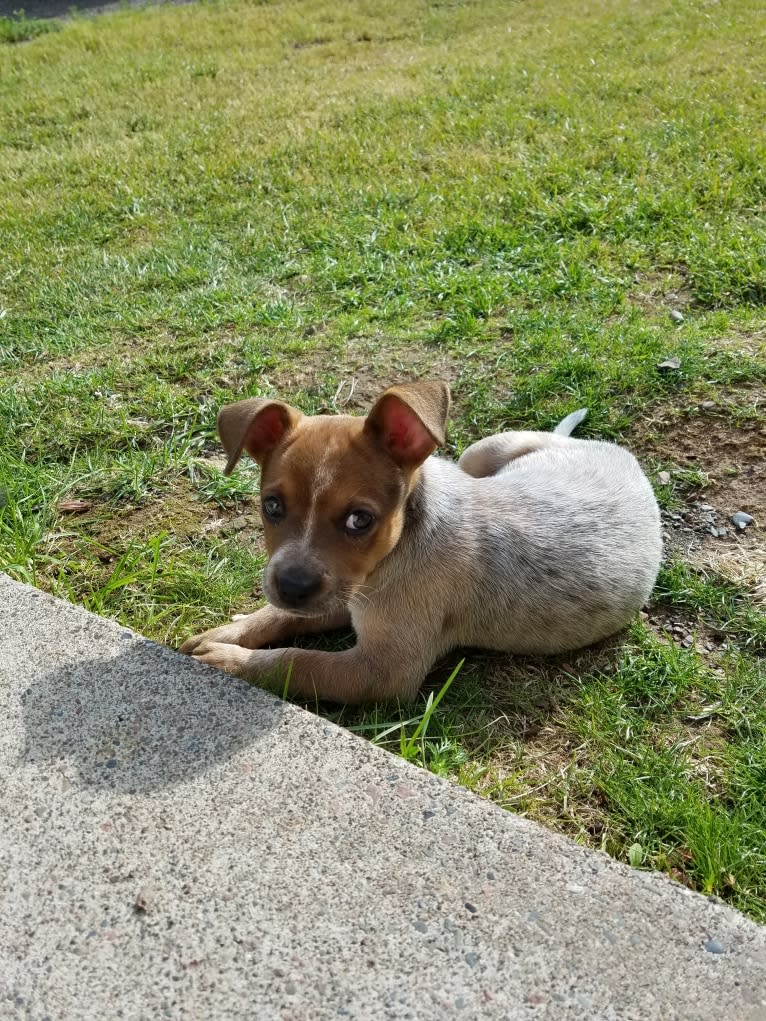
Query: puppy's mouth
{"points": [[323, 608]]}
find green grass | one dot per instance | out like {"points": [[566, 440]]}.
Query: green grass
{"points": [[314, 200], [19, 28]]}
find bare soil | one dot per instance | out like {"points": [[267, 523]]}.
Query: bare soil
{"points": [[728, 457], [661, 290], [361, 367]]}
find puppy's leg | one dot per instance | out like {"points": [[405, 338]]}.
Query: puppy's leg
{"points": [[352, 676], [490, 455], [267, 626]]}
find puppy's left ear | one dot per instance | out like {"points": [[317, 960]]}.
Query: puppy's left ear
{"points": [[409, 420]]}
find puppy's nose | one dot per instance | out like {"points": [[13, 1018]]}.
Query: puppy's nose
{"points": [[296, 585]]}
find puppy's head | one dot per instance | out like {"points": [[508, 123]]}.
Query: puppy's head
{"points": [[333, 487]]}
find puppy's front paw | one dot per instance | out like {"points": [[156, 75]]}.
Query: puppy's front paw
{"points": [[263, 666], [232, 659], [229, 634]]}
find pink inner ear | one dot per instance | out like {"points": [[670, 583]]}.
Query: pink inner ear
{"points": [[266, 431], [404, 434]]}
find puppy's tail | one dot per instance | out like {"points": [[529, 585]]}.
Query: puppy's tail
{"points": [[568, 425]]}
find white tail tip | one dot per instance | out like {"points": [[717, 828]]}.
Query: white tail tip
{"points": [[568, 425]]}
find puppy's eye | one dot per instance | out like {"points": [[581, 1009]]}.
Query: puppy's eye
{"points": [[273, 508], [358, 522]]}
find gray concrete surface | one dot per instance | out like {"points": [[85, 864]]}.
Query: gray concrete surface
{"points": [[175, 844]]}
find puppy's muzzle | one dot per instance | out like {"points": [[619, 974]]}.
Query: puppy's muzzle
{"points": [[296, 586]]}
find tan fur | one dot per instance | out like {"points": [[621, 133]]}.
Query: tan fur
{"points": [[535, 543]]}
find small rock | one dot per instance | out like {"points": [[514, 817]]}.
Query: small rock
{"points": [[145, 901], [705, 507], [714, 947], [741, 520], [663, 478], [676, 316], [669, 363], [707, 405], [713, 531]]}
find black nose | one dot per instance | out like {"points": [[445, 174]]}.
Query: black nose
{"points": [[295, 585]]}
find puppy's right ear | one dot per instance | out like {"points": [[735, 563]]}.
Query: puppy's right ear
{"points": [[254, 425]]}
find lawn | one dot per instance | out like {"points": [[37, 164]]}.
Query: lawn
{"points": [[541, 203]]}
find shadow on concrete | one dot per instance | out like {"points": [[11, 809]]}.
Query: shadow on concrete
{"points": [[143, 720]]}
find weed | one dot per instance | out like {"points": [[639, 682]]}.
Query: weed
{"points": [[413, 748]]}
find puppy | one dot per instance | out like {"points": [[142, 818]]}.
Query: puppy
{"points": [[534, 543]]}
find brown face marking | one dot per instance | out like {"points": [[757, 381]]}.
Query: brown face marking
{"points": [[327, 468]]}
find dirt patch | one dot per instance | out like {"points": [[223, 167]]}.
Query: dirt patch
{"points": [[661, 291], [746, 342], [179, 513], [719, 468], [362, 371], [671, 624]]}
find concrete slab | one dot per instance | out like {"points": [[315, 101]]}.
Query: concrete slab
{"points": [[175, 844]]}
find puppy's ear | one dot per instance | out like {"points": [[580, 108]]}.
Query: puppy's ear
{"points": [[409, 420], [254, 425]]}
